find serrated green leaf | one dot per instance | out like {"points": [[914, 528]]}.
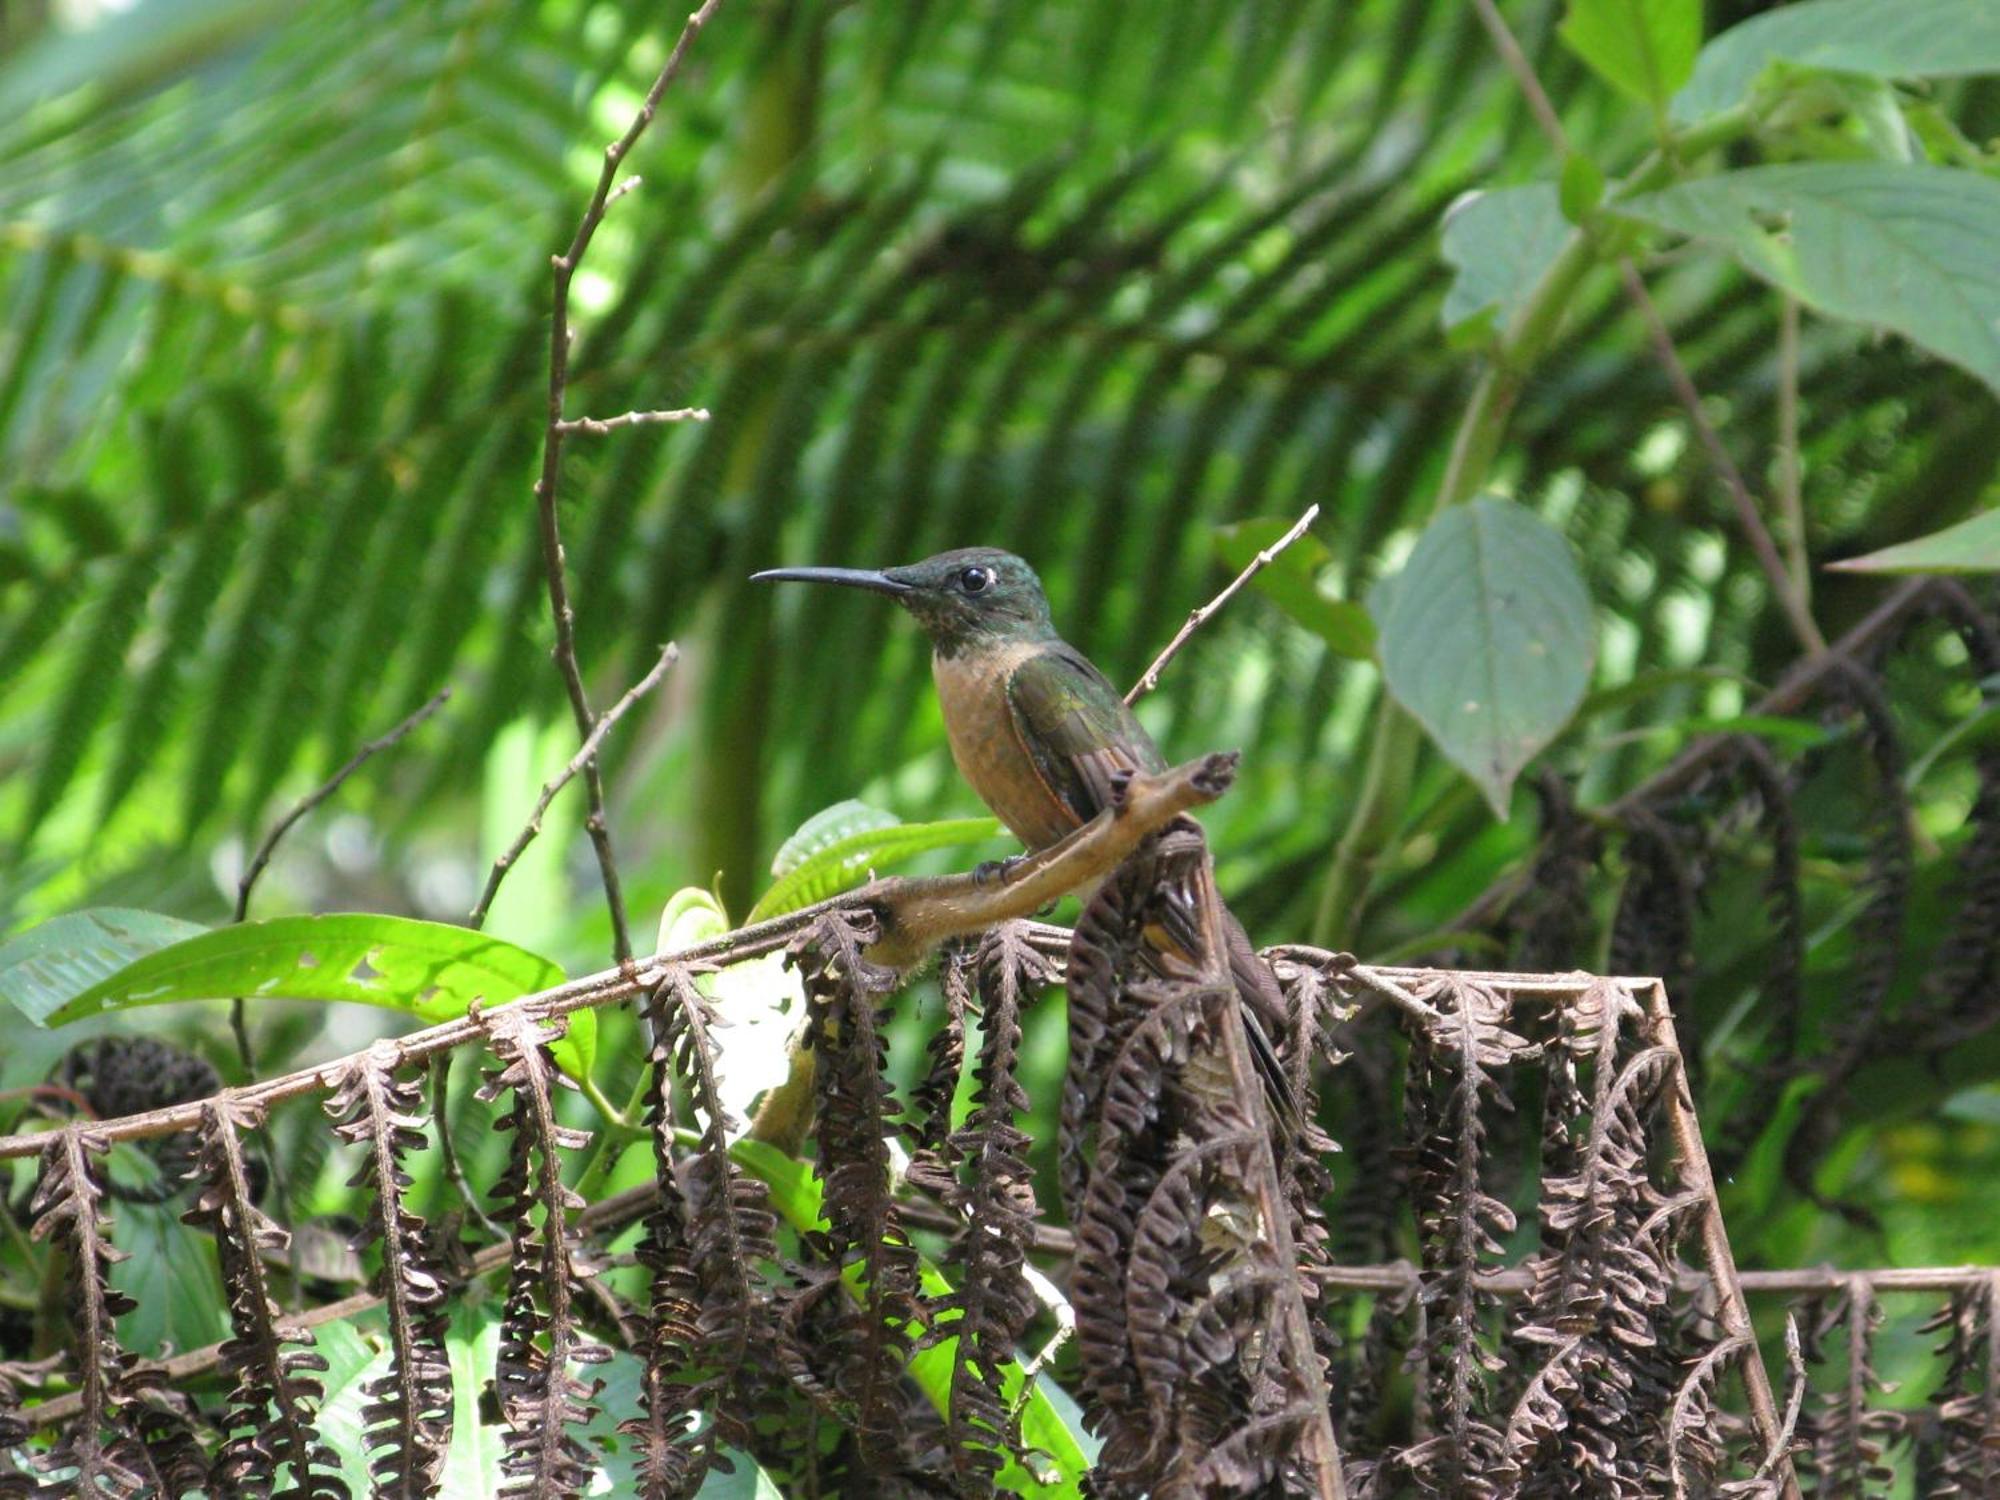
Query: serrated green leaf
{"points": [[1644, 48], [1878, 38], [1488, 638], [1291, 581], [1910, 248], [1970, 546], [849, 861], [429, 970], [45, 967], [826, 828], [1500, 243]]}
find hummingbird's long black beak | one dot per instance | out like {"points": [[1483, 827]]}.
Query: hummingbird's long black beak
{"points": [[855, 578]]}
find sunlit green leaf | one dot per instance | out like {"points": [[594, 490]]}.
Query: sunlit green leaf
{"points": [[826, 828], [1644, 48], [1910, 248], [1880, 38], [1970, 546], [1488, 638], [429, 970], [849, 861], [1291, 581]]}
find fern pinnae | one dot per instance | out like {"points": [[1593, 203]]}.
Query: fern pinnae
{"points": [[67, 1203], [407, 1419], [276, 1392], [856, 1112], [540, 1400], [1968, 1399]]}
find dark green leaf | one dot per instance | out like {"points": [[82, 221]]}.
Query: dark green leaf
{"points": [[1970, 546], [1644, 48], [1487, 638], [49, 965], [1879, 38], [1291, 581], [1910, 248]]}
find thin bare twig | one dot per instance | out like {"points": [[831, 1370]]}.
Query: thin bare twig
{"points": [[1791, 496], [1782, 579], [279, 829], [585, 756], [1150, 678], [597, 427], [564, 268]]}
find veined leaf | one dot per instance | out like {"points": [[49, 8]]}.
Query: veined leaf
{"points": [[826, 828], [846, 862], [1879, 38], [48, 965], [1910, 248], [795, 1193], [1971, 546], [1291, 581], [1644, 48], [1500, 243], [429, 970], [1487, 638]]}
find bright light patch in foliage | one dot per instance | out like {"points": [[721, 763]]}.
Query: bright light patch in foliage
{"points": [[1487, 638]]}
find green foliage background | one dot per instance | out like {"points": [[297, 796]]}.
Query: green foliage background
{"points": [[1086, 281]]}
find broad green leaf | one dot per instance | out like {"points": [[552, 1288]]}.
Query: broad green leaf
{"points": [[351, 1363], [1970, 546], [169, 1270], [1878, 38], [847, 862], [1487, 638], [1910, 248], [1644, 48], [826, 828], [472, 1344], [49, 964], [795, 1193], [1291, 581], [430, 970], [1500, 243]]}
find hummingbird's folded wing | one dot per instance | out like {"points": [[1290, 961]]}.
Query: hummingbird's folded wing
{"points": [[1075, 730]]}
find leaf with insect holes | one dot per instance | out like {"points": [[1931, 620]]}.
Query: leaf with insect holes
{"points": [[50, 964], [1291, 581], [1487, 638], [429, 970]]}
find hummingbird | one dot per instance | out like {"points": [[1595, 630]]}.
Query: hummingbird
{"points": [[1036, 729]]}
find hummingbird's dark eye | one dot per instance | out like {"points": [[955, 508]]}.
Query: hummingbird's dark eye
{"points": [[975, 580]]}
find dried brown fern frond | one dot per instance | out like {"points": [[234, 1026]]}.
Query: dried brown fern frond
{"points": [[541, 1402], [932, 1164], [1547, 927], [122, 1075], [856, 1113], [1848, 1439], [1967, 1459], [407, 1419], [1451, 1081], [993, 1190], [100, 1444], [704, 1242], [276, 1395]]}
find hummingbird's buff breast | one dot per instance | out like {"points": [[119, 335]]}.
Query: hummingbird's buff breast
{"points": [[986, 742]]}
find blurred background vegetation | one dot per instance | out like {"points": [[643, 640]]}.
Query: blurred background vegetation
{"points": [[1090, 282]]}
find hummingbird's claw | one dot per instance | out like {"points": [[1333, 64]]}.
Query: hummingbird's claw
{"points": [[996, 871]]}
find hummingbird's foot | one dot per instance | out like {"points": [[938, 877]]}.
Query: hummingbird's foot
{"points": [[997, 871]]}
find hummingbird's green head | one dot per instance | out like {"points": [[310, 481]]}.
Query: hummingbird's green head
{"points": [[965, 598]]}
